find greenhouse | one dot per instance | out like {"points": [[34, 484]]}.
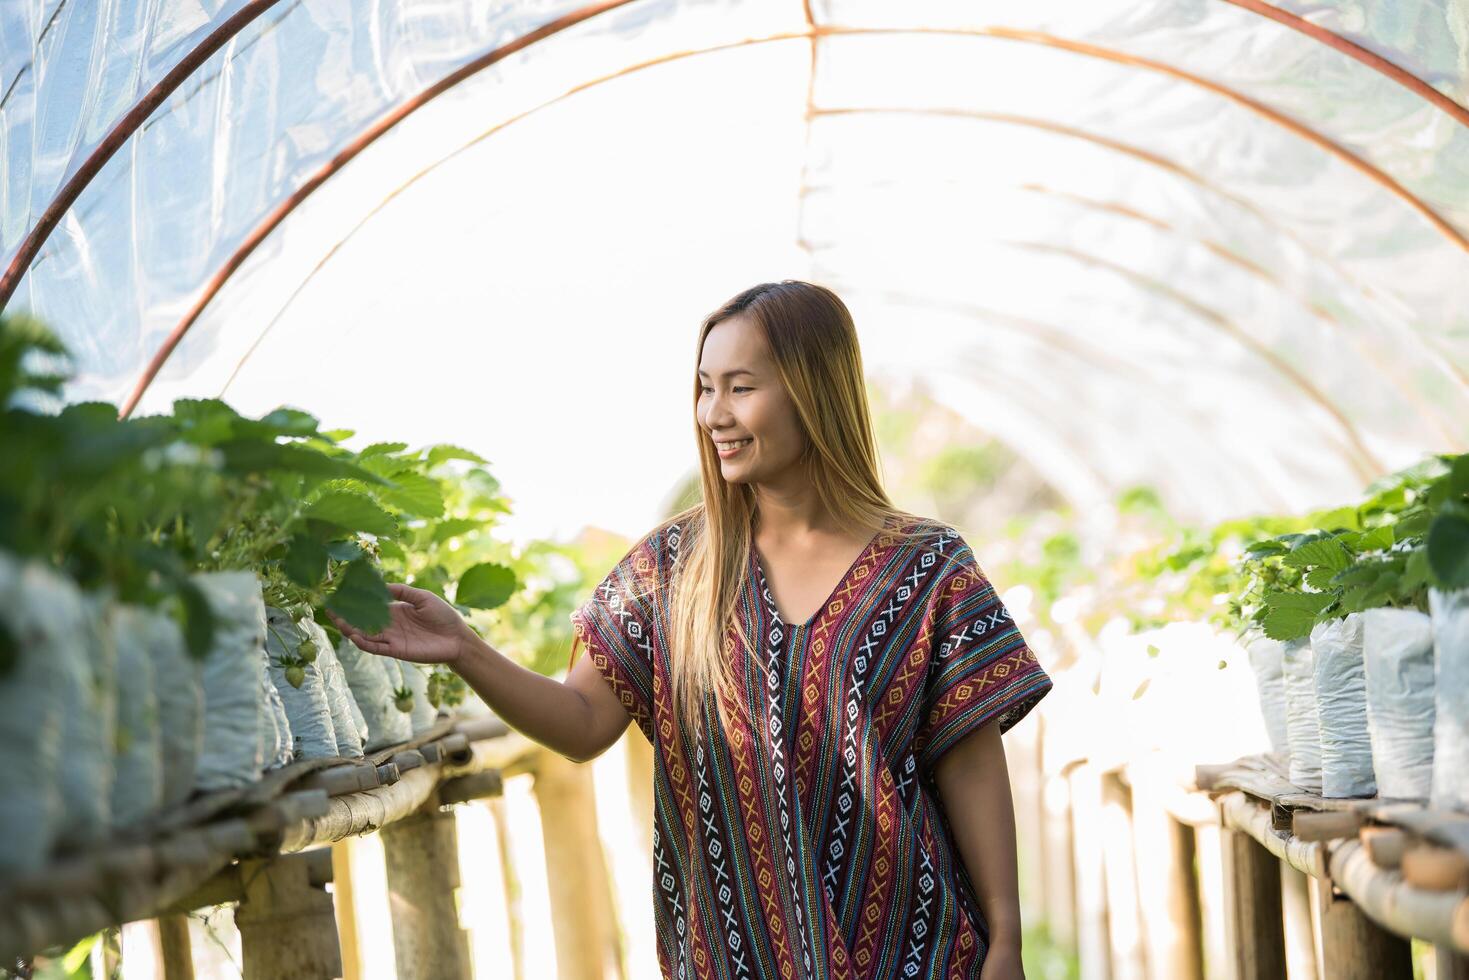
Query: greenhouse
{"points": [[312, 312]]}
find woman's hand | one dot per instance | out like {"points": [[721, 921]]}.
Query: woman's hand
{"points": [[425, 629]]}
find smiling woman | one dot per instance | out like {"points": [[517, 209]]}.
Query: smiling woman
{"points": [[810, 819]]}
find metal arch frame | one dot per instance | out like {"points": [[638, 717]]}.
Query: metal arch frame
{"points": [[1051, 335], [218, 37], [180, 73], [144, 107], [1353, 438], [1409, 391]]}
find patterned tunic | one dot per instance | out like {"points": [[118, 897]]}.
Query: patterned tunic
{"points": [[813, 843]]}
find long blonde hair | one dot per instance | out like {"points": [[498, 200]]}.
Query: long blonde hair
{"points": [[813, 343]]}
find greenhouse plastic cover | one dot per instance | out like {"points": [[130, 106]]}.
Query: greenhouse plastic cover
{"points": [[1219, 246]]}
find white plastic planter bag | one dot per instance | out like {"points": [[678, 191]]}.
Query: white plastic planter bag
{"points": [[368, 677], [424, 714], [178, 686], [1267, 662], [338, 697], [1341, 692], [279, 743], [43, 613], [233, 751], [1397, 646], [306, 707], [137, 789], [1450, 612], [88, 727], [1302, 719]]}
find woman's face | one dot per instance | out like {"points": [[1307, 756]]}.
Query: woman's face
{"points": [[741, 398]]}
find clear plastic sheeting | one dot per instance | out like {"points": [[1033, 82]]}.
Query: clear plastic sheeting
{"points": [[1219, 246]]}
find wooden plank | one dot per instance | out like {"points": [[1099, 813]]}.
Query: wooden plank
{"points": [[1384, 846], [1353, 946], [1300, 927], [1435, 869], [1440, 826], [1254, 927]]}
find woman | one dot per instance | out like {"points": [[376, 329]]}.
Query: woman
{"points": [[824, 679]]}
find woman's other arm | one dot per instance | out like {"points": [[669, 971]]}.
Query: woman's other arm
{"points": [[580, 717], [974, 785]]}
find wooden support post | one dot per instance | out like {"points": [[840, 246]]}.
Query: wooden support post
{"points": [[1093, 948], [178, 952], [1353, 947], [345, 899], [1300, 930], [588, 946], [1124, 922], [1058, 861], [1253, 923], [1168, 890], [422, 857], [288, 929], [510, 876]]}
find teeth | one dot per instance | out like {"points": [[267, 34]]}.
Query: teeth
{"points": [[726, 446]]}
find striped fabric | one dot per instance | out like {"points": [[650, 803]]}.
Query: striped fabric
{"points": [[807, 841]]}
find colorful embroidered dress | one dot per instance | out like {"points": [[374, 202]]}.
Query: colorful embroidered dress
{"points": [[814, 844]]}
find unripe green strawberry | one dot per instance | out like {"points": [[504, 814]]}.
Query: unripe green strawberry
{"points": [[295, 675], [306, 650], [403, 698]]}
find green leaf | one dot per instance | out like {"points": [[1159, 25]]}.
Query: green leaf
{"points": [[435, 579], [383, 449], [251, 456], [486, 586], [362, 598], [1290, 615], [1264, 549], [454, 527], [415, 494], [352, 512], [198, 619], [389, 548], [1448, 550], [1326, 552], [344, 550], [305, 562], [1376, 539], [445, 452]]}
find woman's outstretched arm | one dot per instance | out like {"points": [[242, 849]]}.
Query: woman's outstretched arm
{"points": [[580, 717], [974, 785]]}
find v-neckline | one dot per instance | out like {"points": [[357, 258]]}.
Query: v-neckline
{"points": [[825, 603]]}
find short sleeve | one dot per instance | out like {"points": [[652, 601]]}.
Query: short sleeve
{"points": [[980, 668], [619, 626]]}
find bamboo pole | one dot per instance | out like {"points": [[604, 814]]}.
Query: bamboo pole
{"points": [[1300, 927], [1440, 917]]}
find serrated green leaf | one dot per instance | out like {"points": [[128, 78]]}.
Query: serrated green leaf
{"points": [[352, 512], [415, 494], [305, 562], [1264, 549], [444, 452], [1448, 551], [485, 586], [1325, 552], [1320, 578], [389, 548], [252, 456], [362, 598]]}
